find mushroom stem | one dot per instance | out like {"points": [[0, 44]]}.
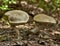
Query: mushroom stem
{"points": [[17, 32]]}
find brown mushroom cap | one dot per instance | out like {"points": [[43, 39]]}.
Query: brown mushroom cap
{"points": [[44, 18], [17, 16]]}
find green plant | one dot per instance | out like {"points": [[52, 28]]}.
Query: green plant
{"points": [[5, 3], [56, 3], [49, 6]]}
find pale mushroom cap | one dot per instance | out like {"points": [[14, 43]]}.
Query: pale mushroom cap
{"points": [[17, 16], [44, 18]]}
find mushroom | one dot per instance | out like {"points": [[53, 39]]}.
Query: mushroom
{"points": [[44, 18], [16, 17]]}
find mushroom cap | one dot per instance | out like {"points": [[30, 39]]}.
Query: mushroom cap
{"points": [[17, 16], [44, 18]]}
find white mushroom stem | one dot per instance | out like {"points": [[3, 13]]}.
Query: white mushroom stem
{"points": [[18, 34]]}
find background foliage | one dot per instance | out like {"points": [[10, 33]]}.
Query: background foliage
{"points": [[49, 6]]}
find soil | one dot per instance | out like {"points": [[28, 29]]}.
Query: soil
{"points": [[31, 34]]}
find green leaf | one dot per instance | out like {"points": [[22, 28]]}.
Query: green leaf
{"points": [[56, 3], [4, 7]]}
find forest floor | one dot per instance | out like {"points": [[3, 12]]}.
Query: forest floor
{"points": [[30, 35]]}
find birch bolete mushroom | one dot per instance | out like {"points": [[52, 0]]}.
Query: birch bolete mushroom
{"points": [[44, 18], [17, 17]]}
